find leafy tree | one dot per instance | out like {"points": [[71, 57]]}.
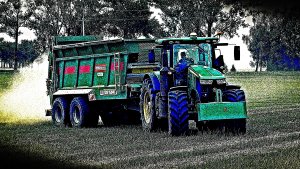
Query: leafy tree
{"points": [[6, 53], [26, 53], [259, 42], [275, 35], [273, 42], [121, 18], [15, 14], [130, 19], [201, 16], [57, 17], [51, 19]]}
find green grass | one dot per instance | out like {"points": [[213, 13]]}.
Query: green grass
{"points": [[285, 158], [272, 139], [268, 88], [5, 80]]}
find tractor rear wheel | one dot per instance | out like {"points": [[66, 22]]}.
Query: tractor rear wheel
{"points": [[80, 113], [147, 106], [60, 112], [178, 113], [236, 126]]}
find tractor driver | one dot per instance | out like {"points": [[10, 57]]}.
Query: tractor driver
{"points": [[182, 69]]}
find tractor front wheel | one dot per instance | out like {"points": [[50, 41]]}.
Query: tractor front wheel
{"points": [[178, 113], [236, 126]]}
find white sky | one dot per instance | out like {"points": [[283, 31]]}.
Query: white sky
{"points": [[227, 51]]}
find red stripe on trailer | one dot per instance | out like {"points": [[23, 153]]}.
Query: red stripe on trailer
{"points": [[112, 66], [85, 69], [70, 70]]}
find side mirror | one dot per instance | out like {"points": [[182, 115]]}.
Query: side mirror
{"points": [[237, 53], [151, 56], [219, 63]]}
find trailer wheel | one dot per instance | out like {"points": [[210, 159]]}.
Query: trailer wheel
{"points": [[178, 113], [147, 106], [60, 112], [236, 126], [80, 113]]}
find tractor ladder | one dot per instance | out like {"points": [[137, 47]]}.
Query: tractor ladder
{"points": [[117, 67]]}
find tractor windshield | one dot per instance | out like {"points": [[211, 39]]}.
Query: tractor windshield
{"points": [[199, 53]]}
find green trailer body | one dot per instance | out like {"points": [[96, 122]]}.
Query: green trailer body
{"points": [[104, 73], [101, 66]]}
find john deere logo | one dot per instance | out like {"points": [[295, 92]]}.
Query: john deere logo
{"points": [[225, 109]]}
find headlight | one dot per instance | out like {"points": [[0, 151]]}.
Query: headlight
{"points": [[221, 81], [206, 82]]}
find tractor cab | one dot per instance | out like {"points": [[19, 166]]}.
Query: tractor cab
{"points": [[200, 50], [198, 54], [192, 55]]}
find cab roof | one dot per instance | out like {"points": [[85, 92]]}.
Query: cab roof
{"points": [[187, 40]]}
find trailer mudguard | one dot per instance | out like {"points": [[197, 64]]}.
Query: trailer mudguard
{"points": [[73, 92]]}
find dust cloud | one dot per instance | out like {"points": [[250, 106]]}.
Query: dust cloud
{"points": [[27, 99]]}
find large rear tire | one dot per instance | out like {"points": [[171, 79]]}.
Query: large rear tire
{"points": [[236, 126], [80, 114], [60, 112], [147, 106], [178, 113]]}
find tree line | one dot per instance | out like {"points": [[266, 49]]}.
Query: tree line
{"points": [[26, 53], [269, 46]]}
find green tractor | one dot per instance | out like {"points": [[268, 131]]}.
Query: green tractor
{"points": [[190, 86], [172, 82]]}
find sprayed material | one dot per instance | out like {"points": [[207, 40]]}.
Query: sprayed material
{"points": [[26, 98]]}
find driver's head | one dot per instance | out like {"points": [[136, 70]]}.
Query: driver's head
{"points": [[183, 55]]}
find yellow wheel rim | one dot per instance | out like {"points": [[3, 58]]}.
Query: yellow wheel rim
{"points": [[147, 107]]}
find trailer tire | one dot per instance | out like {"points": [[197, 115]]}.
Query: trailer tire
{"points": [[147, 106], [80, 114], [60, 112], [236, 126], [178, 113]]}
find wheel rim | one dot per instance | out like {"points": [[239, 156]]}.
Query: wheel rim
{"points": [[76, 115], [58, 115], [147, 106]]}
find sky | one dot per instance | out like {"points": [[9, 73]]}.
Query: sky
{"points": [[227, 51]]}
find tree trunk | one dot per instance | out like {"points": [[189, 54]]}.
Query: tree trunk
{"points": [[256, 66], [126, 34], [260, 65], [209, 27], [16, 43]]}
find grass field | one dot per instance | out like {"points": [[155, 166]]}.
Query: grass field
{"points": [[272, 139]]}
